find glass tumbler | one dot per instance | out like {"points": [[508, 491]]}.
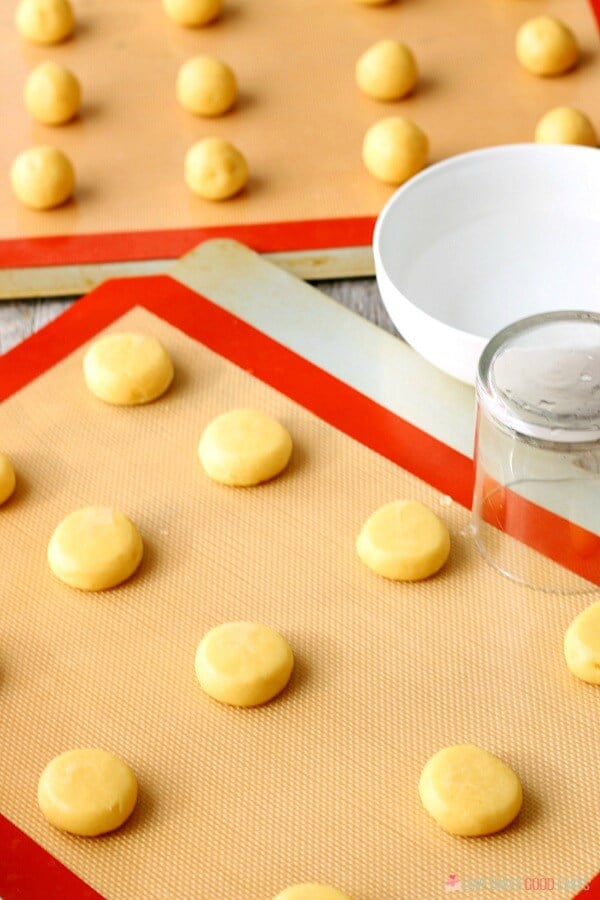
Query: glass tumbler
{"points": [[537, 452]]}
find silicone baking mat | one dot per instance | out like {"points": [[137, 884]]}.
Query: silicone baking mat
{"points": [[321, 784], [300, 119]]}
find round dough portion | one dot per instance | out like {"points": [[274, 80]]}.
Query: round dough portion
{"points": [[387, 71], [87, 792], [7, 478], [95, 548], [545, 46], [373, 2], [206, 86], [127, 369], [404, 541], [193, 13], [45, 21], [582, 645], [243, 664], [42, 177], [52, 94], [312, 892], [244, 447], [395, 149], [215, 169], [469, 791], [565, 125]]}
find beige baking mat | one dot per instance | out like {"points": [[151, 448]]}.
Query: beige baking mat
{"points": [[321, 784], [300, 119]]}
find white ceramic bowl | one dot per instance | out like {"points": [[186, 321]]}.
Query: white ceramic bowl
{"points": [[485, 238]]}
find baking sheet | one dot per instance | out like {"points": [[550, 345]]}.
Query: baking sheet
{"points": [[320, 784]]}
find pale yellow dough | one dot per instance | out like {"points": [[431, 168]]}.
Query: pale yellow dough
{"points": [[42, 177], [45, 21], [87, 792], [565, 125], [545, 46], [469, 791], [127, 369], [582, 645], [206, 86], [404, 541], [244, 447], [193, 13], [395, 149], [215, 169], [387, 71], [7, 478], [243, 664], [312, 892], [95, 548], [52, 94]]}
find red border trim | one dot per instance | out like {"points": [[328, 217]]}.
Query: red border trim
{"points": [[314, 234], [595, 4]]}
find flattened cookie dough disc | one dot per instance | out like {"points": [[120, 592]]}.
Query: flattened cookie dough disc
{"points": [[95, 548], [127, 369], [244, 447], [545, 46], [394, 149], [52, 94], [387, 71], [192, 13], [215, 169], [206, 86], [42, 177], [45, 21], [469, 791], [404, 541], [311, 892], [87, 792], [7, 478], [565, 125], [243, 664], [582, 645]]}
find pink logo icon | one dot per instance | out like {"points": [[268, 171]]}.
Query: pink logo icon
{"points": [[453, 883]]}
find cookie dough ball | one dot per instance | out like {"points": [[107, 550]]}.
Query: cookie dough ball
{"points": [[192, 13], [127, 369], [243, 664], [386, 71], [95, 548], [312, 892], [7, 478], [582, 645], [404, 541], [87, 792], [215, 169], [373, 2], [206, 86], [565, 125], [42, 177], [52, 94], [545, 46], [469, 791], [244, 447], [395, 149], [45, 21]]}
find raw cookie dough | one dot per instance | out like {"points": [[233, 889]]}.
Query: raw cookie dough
{"points": [[545, 46], [469, 791], [45, 21], [215, 169], [244, 447], [7, 478], [404, 541], [311, 892], [52, 94], [87, 792], [243, 664], [395, 149], [192, 13], [95, 548], [387, 71], [565, 125], [127, 369], [373, 2], [206, 86], [42, 177], [582, 645]]}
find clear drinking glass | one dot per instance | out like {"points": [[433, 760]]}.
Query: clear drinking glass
{"points": [[537, 451]]}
